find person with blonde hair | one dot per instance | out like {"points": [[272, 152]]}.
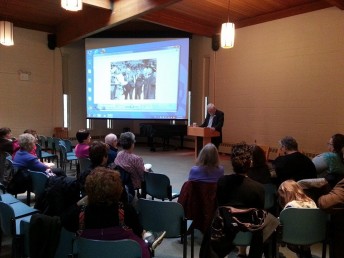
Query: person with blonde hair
{"points": [[207, 168], [291, 195]]}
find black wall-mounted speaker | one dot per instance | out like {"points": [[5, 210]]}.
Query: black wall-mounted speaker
{"points": [[215, 42], [51, 41]]}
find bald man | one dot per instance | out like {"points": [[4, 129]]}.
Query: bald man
{"points": [[214, 120]]}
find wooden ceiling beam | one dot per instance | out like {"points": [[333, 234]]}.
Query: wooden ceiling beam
{"points": [[174, 20], [314, 6], [94, 20], [104, 4], [337, 3]]}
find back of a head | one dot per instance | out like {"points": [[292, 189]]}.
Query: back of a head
{"points": [[126, 140], [289, 191], [208, 156], [338, 143], [82, 135], [258, 156], [103, 186], [289, 143], [97, 152], [241, 157], [110, 138]]}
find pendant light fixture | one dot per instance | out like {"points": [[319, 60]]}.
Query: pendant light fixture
{"points": [[72, 5], [227, 33], [6, 33]]}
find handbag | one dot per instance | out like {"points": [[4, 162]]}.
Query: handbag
{"points": [[228, 221]]}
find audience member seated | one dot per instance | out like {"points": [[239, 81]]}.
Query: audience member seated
{"points": [[6, 149], [101, 215], [333, 203], [130, 162], [98, 156], [23, 158], [16, 146], [239, 191], [259, 170], [6, 140], [291, 195], [292, 164], [330, 165], [208, 168], [111, 142], [82, 148]]}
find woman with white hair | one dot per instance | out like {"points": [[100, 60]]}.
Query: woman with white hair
{"points": [[23, 159], [111, 142]]}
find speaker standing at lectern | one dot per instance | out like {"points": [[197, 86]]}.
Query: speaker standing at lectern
{"points": [[214, 120]]}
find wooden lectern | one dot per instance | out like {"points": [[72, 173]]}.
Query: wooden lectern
{"points": [[203, 136]]}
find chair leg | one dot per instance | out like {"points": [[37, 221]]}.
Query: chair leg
{"points": [[192, 242], [324, 250], [28, 197]]}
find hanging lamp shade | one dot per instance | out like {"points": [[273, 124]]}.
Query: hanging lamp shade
{"points": [[6, 33], [72, 5], [227, 35]]}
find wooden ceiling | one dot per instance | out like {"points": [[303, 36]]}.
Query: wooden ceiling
{"points": [[118, 18]]}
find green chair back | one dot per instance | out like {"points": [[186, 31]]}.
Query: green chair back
{"points": [[303, 226], [158, 186], [90, 248]]}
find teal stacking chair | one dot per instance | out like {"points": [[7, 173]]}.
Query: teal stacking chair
{"points": [[38, 182], [8, 198], [50, 144], [65, 159], [90, 248], [158, 186], [166, 216], [46, 156], [303, 227], [42, 140], [10, 217], [84, 163]]}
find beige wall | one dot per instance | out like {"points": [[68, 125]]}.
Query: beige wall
{"points": [[35, 103], [281, 78]]}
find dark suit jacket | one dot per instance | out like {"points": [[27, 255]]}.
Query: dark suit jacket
{"points": [[218, 121]]}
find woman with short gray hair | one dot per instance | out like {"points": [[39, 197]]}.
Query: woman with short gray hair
{"points": [[130, 162], [23, 159]]}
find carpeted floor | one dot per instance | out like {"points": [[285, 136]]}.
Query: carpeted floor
{"points": [[176, 164]]}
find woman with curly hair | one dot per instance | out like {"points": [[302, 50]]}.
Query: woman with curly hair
{"points": [[104, 217]]}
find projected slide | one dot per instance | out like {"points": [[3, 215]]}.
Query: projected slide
{"points": [[139, 81]]}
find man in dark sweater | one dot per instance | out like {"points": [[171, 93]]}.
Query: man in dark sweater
{"points": [[292, 164]]}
